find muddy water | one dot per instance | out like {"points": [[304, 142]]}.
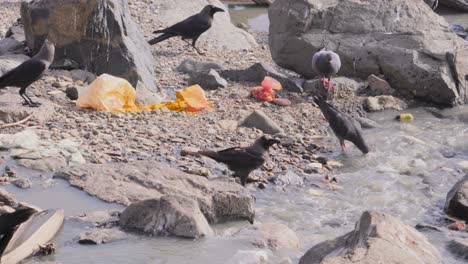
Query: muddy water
{"points": [[407, 174]]}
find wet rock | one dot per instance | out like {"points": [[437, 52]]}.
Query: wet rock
{"points": [[314, 167], [456, 204], [263, 2], [168, 215], [249, 257], [257, 72], [126, 183], [43, 164], [72, 93], [463, 164], [273, 236], [10, 46], [190, 66], [9, 62], [383, 102], [101, 236], [378, 86], [366, 122], [459, 247], [287, 177], [223, 34], [315, 86], [377, 238], [102, 38], [22, 183], [261, 121], [407, 53], [98, 217], [461, 5], [9, 172], [82, 75], [208, 80], [7, 199]]}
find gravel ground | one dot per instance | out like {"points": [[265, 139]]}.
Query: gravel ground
{"points": [[160, 135]]}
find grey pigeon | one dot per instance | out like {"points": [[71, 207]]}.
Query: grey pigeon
{"points": [[326, 64], [190, 28], [344, 126], [29, 71], [242, 161]]}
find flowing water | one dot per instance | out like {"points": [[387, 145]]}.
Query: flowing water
{"points": [[411, 168]]}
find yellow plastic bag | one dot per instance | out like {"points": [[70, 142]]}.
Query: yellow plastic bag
{"points": [[109, 94], [113, 94]]}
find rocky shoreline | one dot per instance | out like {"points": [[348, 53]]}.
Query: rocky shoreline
{"points": [[137, 159]]}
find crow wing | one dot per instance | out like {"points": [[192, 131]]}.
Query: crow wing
{"points": [[237, 159], [23, 75], [190, 27]]}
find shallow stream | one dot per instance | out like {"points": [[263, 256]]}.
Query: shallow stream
{"points": [[411, 168]]}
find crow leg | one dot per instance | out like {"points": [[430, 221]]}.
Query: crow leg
{"points": [[343, 145], [27, 100], [193, 45], [242, 176]]}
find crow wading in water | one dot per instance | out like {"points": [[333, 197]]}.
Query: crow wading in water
{"points": [[29, 71], [344, 126], [242, 161], [190, 28]]}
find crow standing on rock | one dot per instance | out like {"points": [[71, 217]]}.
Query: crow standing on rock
{"points": [[242, 161], [190, 28], [344, 126], [29, 71]]}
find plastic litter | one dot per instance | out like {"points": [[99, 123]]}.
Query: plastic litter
{"points": [[266, 92], [112, 94], [405, 117]]}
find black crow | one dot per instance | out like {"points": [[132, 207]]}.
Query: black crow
{"points": [[242, 161], [190, 28], [326, 64], [9, 222], [344, 126], [29, 71]]}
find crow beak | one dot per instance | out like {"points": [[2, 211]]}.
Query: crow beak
{"points": [[217, 9]]}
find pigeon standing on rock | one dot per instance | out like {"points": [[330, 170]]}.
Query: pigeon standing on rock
{"points": [[326, 64], [242, 161], [344, 126], [29, 71], [190, 28]]}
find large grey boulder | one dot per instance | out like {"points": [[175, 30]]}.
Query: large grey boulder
{"points": [[168, 215], [456, 204], [457, 4], [223, 34], [97, 34], [11, 61], [377, 238], [127, 183], [403, 40]]}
